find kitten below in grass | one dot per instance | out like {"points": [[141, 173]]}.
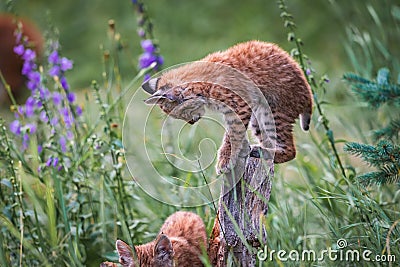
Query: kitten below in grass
{"points": [[180, 242]]}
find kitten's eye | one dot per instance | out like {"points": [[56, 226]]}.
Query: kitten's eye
{"points": [[180, 100], [169, 97], [199, 95]]}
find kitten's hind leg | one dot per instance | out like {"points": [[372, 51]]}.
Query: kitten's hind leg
{"points": [[224, 156], [228, 153], [233, 140], [266, 135], [285, 148], [276, 140]]}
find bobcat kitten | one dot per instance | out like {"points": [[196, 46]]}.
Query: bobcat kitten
{"points": [[181, 240], [184, 92]]}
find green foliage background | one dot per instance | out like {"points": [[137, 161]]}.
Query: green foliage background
{"points": [[312, 204], [188, 30]]}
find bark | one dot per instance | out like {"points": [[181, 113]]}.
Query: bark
{"points": [[243, 204]]}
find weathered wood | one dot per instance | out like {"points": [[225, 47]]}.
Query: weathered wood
{"points": [[243, 203]]}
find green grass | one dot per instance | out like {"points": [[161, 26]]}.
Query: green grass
{"points": [[72, 217]]}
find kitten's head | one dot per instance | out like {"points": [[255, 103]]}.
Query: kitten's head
{"points": [[175, 99], [162, 255]]}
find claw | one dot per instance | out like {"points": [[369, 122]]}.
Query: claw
{"points": [[225, 166]]}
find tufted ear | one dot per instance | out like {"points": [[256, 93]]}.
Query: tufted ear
{"points": [[157, 96], [150, 86], [153, 100], [126, 257], [163, 251]]}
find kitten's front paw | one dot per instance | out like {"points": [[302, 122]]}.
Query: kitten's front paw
{"points": [[224, 165], [226, 161]]}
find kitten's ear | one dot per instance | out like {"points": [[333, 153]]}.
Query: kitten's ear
{"points": [[126, 257], [157, 96], [152, 100], [163, 251], [150, 86]]}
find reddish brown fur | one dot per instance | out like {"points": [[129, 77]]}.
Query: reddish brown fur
{"points": [[183, 92], [182, 239], [214, 244], [10, 63]]}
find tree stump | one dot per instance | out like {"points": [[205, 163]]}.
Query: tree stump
{"points": [[243, 203]]}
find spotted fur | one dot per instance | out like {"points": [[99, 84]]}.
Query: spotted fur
{"points": [[219, 83]]}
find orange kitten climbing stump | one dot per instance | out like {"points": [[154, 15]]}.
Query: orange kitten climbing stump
{"points": [[254, 84], [216, 82]]}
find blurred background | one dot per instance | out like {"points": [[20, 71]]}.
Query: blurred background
{"points": [[339, 36], [307, 206], [189, 30]]}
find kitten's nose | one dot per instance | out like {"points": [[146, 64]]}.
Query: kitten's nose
{"points": [[194, 119]]}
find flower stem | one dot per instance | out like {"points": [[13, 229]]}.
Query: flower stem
{"points": [[8, 89], [289, 23]]}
